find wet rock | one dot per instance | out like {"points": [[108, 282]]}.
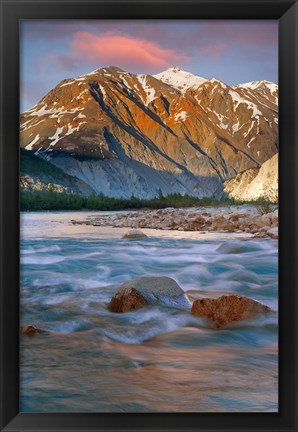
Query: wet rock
{"points": [[227, 309], [147, 290], [134, 233], [127, 299], [29, 330], [237, 247]]}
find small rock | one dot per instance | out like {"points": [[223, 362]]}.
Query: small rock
{"points": [[146, 290], [179, 220], [258, 221], [234, 218], [265, 229], [273, 233], [273, 230], [134, 233], [29, 330], [266, 220], [227, 309]]}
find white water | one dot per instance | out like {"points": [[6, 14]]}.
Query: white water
{"points": [[154, 359]]}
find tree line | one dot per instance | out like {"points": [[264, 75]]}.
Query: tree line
{"points": [[50, 200]]}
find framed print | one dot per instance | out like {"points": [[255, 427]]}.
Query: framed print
{"points": [[148, 215]]}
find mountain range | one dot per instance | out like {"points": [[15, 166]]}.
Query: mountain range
{"points": [[121, 134]]}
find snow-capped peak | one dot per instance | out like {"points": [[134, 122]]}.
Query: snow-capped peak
{"points": [[179, 79], [253, 85]]}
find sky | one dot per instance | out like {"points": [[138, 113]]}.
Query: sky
{"points": [[233, 51]]}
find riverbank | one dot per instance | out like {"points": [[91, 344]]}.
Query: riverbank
{"points": [[228, 219]]}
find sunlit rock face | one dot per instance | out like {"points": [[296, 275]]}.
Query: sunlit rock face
{"points": [[228, 309], [124, 134], [255, 183]]}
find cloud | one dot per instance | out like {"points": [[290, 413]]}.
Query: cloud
{"points": [[123, 50], [52, 50], [212, 50], [246, 33]]}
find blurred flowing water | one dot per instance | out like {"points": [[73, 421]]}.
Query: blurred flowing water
{"points": [[156, 359]]}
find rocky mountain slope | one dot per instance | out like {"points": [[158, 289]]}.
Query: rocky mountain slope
{"points": [[255, 183], [124, 134], [38, 174]]}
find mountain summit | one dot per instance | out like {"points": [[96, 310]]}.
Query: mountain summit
{"points": [[125, 134], [179, 79]]}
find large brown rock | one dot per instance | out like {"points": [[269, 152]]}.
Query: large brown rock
{"points": [[147, 290], [227, 309], [127, 299]]}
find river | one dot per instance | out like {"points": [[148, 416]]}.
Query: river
{"points": [[156, 359]]}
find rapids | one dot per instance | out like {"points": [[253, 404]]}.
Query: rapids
{"points": [[156, 359]]}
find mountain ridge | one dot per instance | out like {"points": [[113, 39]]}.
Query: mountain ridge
{"points": [[143, 134]]}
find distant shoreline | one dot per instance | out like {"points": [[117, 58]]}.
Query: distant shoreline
{"points": [[235, 219]]}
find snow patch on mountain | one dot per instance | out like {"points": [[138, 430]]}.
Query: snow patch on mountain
{"points": [[54, 112], [125, 82], [182, 115], [80, 116], [257, 84], [262, 87], [29, 146], [67, 83], [221, 119], [237, 100], [150, 92], [72, 129], [250, 128], [217, 84], [56, 137]]}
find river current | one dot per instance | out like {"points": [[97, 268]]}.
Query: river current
{"points": [[156, 359]]}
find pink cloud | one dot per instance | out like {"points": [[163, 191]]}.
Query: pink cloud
{"points": [[123, 50]]}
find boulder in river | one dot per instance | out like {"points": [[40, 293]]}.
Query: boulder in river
{"points": [[147, 290], [227, 309], [134, 233]]}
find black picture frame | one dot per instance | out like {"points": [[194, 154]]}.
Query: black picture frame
{"points": [[286, 11]]}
